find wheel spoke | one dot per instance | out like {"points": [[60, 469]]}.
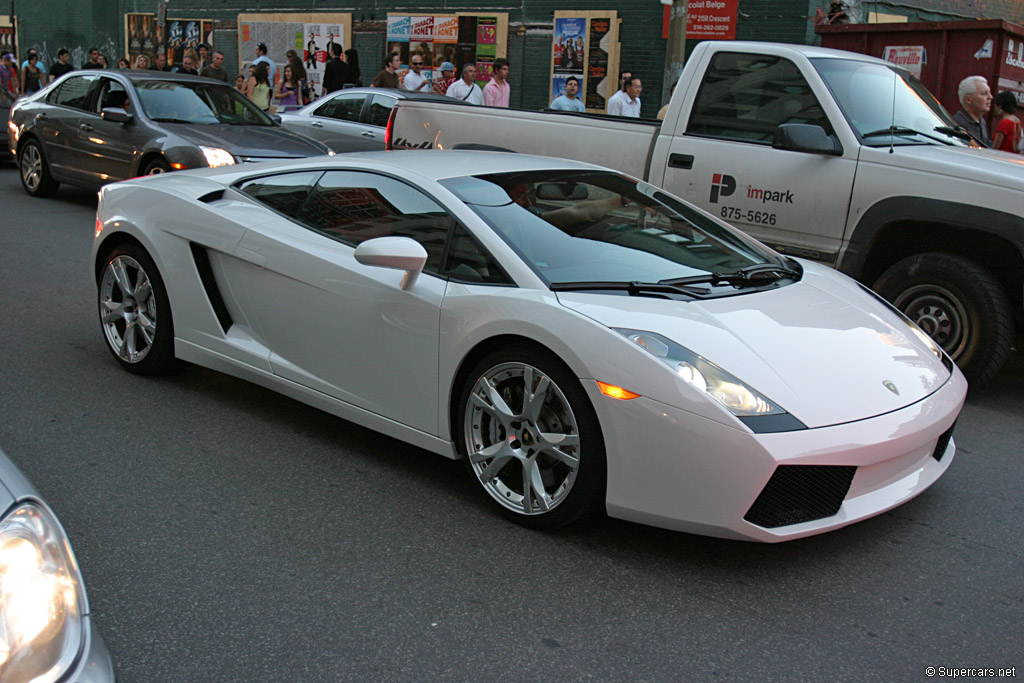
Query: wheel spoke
{"points": [[112, 311], [486, 453], [570, 461], [492, 470], [121, 275], [128, 348], [146, 327], [532, 481], [533, 401], [497, 406], [143, 290]]}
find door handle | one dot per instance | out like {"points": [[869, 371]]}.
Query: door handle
{"points": [[317, 124], [680, 161], [86, 127], [368, 134]]}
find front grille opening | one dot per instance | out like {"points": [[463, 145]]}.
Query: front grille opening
{"points": [[801, 493], [943, 443]]}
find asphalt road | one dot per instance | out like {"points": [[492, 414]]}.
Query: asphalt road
{"points": [[227, 533]]}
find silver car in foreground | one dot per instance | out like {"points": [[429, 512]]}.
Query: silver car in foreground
{"points": [[45, 630]]}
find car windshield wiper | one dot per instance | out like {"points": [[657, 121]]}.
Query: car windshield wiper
{"points": [[749, 275], [170, 120], [901, 130], [634, 288], [955, 133]]}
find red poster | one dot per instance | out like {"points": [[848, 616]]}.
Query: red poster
{"points": [[711, 19]]}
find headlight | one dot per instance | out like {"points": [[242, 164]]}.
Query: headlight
{"points": [[704, 375], [215, 156], [923, 336], [331, 153], [41, 597]]}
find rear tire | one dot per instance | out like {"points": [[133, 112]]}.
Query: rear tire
{"points": [[35, 171], [135, 313], [531, 439], [960, 304]]}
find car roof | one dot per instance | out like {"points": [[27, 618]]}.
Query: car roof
{"points": [[136, 75]]}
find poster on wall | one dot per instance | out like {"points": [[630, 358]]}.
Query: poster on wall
{"points": [[9, 37], [144, 36], [311, 36], [585, 45], [462, 38]]}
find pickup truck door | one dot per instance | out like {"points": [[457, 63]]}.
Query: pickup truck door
{"points": [[718, 153]]}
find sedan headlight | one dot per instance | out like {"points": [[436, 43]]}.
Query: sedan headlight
{"points": [[704, 375], [41, 597], [215, 156]]}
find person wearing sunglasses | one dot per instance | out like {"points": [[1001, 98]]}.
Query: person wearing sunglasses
{"points": [[415, 80]]}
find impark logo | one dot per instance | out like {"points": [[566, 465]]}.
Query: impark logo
{"points": [[721, 185]]}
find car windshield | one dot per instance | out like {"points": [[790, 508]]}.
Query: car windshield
{"points": [[887, 105], [198, 102], [575, 227]]}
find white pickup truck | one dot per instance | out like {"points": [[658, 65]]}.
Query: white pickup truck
{"points": [[833, 156]]}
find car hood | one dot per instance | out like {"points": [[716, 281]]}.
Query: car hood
{"points": [[988, 166], [265, 142], [823, 349]]}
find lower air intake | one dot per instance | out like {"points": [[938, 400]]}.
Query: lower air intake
{"points": [[801, 493], [943, 443]]}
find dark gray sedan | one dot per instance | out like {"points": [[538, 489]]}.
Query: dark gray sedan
{"points": [[90, 128], [351, 120]]}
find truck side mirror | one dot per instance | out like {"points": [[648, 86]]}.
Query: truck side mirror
{"points": [[805, 137]]}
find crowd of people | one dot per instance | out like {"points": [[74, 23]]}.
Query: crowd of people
{"points": [[263, 86]]}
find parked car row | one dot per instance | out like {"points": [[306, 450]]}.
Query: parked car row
{"points": [[91, 128]]}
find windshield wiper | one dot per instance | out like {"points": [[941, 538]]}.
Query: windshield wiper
{"points": [[170, 120], [955, 132], [634, 288], [901, 130], [748, 275]]}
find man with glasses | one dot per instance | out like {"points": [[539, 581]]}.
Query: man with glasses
{"points": [[415, 80]]}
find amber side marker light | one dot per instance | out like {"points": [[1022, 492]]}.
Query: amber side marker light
{"points": [[616, 392], [179, 167]]}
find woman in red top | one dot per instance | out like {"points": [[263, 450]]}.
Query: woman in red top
{"points": [[1007, 134]]}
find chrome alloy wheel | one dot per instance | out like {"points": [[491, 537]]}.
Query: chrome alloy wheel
{"points": [[522, 438], [31, 167], [939, 313], [127, 309]]}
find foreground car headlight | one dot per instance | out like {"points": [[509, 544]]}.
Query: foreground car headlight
{"points": [[739, 398], [41, 597], [215, 156]]}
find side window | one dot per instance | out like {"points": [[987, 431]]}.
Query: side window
{"points": [[285, 193], [467, 262], [74, 92], [380, 109], [352, 207], [745, 97], [342, 107], [112, 94]]}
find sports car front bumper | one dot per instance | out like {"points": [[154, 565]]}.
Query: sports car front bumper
{"points": [[672, 469]]}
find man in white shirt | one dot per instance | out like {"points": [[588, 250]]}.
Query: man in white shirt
{"points": [[621, 92], [414, 80], [465, 88], [630, 104]]}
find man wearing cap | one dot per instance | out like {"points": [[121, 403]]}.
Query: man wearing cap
{"points": [[61, 66], [415, 80], [261, 56], [441, 84]]}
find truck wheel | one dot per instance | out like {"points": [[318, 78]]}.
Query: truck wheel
{"points": [[960, 304]]}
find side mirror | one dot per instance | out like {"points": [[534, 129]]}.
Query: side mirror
{"points": [[805, 137], [116, 114], [276, 118], [400, 253]]}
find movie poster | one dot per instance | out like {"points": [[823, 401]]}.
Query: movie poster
{"points": [[585, 45], [140, 38], [459, 39]]}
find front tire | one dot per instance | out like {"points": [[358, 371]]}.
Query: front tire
{"points": [[135, 313], [156, 167], [531, 439], [960, 304], [35, 171]]}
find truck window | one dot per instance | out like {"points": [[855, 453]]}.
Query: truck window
{"points": [[746, 96]]}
